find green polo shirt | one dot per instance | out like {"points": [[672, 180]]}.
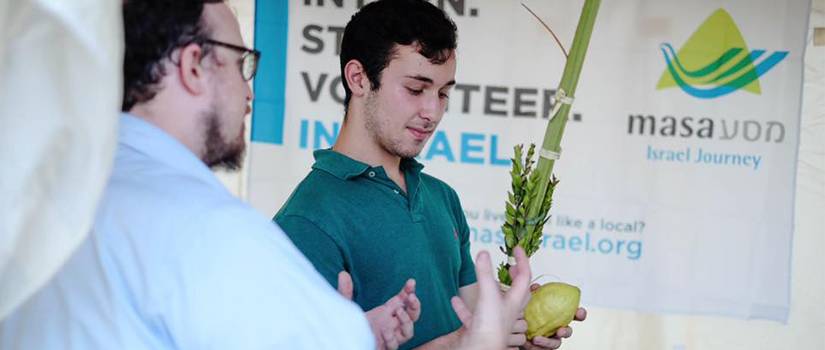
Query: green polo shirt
{"points": [[348, 216]]}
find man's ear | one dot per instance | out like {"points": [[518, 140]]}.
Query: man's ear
{"points": [[190, 69], [356, 78]]}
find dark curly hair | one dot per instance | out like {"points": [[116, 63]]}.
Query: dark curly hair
{"points": [[373, 32], [153, 30]]}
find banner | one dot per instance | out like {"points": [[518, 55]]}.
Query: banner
{"points": [[678, 165]]}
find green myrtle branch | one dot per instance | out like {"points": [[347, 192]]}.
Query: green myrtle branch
{"points": [[530, 197]]}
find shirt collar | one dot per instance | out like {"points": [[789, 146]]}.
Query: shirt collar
{"points": [[411, 165], [347, 168], [145, 138]]}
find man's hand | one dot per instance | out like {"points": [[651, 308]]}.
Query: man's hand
{"points": [[496, 313], [518, 336], [392, 322], [538, 343]]}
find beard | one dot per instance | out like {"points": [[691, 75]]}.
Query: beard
{"points": [[220, 153], [379, 130]]}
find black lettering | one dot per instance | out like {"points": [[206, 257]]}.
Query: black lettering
{"points": [[707, 131], [466, 92], [548, 103], [669, 129], [729, 135], [336, 89], [456, 5], [687, 127], [308, 35], [339, 34], [320, 3], [490, 100], [641, 121], [769, 132], [749, 125], [315, 92], [520, 102]]}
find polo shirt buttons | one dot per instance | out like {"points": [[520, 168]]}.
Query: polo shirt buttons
{"points": [[396, 191], [371, 174]]}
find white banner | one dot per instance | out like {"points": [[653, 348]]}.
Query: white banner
{"points": [[678, 165]]}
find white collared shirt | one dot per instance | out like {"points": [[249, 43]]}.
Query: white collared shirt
{"points": [[175, 261]]}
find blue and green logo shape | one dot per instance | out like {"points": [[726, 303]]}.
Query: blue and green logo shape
{"points": [[716, 61]]}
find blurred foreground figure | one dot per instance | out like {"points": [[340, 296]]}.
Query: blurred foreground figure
{"points": [[175, 261], [60, 92]]}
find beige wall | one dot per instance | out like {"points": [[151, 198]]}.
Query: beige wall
{"points": [[612, 329]]}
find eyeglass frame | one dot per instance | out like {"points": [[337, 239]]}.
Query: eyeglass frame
{"points": [[245, 52]]}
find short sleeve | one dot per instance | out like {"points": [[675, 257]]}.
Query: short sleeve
{"points": [[467, 272], [317, 245]]}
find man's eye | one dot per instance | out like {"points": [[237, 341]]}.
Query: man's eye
{"points": [[415, 92], [444, 95]]}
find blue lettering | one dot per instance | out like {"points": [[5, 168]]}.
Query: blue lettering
{"points": [[494, 159], [322, 132], [467, 148], [634, 250], [440, 147], [558, 242], [499, 237], [304, 132], [544, 239], [487, 236], [605, 248], [575, 243]]}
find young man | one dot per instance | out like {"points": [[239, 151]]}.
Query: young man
{"points": [[174, 261], [366, 208]]}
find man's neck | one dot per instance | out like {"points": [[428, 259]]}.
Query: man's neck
{"points": [[175, 127], [354, 142]]}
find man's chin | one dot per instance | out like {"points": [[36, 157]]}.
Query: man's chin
{"points": [[409, 153], [227, 164], [231, 161]]}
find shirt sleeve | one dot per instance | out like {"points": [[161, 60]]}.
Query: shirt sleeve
{"points": [[243, 285], [467, 272], [318, 246]]}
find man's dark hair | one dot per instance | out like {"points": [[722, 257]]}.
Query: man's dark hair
{"points": [[153, 30], [372, 33]]}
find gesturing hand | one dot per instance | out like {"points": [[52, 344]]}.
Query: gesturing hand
{"points": [[392, 322]]}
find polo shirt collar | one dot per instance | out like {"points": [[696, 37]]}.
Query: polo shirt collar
{"points": [[347, 168], [411, 165]]}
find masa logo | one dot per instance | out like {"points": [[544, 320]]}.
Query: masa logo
{"points": [[715, 61]]}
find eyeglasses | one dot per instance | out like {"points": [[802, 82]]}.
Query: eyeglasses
{"points": [[249, 58]]}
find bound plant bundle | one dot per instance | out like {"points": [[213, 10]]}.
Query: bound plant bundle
{"points": [[528, 203]]}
